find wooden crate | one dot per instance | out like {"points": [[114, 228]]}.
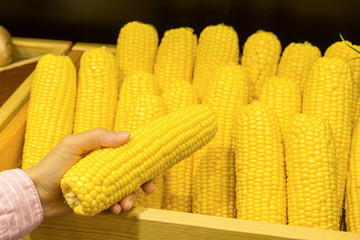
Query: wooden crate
{"points": [[15, 90], [147, 223]]}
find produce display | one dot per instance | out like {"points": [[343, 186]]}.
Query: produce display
{"points": [[253, 130]]}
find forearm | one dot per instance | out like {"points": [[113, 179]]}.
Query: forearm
{"points": [[20, 207]]}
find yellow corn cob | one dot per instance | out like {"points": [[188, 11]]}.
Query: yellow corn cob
{"points": [[311, 173], [352, 198], [137, 83], [261, 55], [144, 109], [51, 107], [329, 93], [178, 179], [218, 44], [213, 174], [259, 165], [97, 92], [180, 94], [341, 50], [176, 56], [282, 95], [136, 48], [296, 61], [105, 176]]}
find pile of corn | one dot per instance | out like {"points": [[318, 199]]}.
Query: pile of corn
{"points": [[286, 148]]}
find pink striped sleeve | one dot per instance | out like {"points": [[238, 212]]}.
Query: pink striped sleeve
{"points": [[20, 207]]}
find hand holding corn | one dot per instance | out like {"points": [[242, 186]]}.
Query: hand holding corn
{"points": [[47, 174]]}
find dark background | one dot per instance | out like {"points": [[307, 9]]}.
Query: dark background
{"points": [[99, 21]]}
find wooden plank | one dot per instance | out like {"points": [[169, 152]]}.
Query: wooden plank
{"points": [[17, 100], [12, 141], [142, 223], [28, 50], [83, 46]]}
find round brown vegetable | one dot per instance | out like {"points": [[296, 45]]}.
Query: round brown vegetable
{"points": [[6, 47]]}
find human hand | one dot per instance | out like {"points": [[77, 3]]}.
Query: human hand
{"points": [[47, 174]]}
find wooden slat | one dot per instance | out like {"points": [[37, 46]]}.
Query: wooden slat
{"points": [[142, 223], [17, 100], [12, 141], [83, 46], [28, 50]]}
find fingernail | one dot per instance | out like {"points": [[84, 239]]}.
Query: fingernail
{"points": [[122, 133]]}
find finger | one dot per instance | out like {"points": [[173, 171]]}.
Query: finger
{"points": [[115, 209], [82, 143], [73, 147], [148, 187], [128, 202]]}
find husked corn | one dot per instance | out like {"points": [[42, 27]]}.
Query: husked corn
{"points": [[144, 109], [97, 92], [296, 61], [218, 44], [282, 95], [311, 173], [136, 84], [178, 179], [261, 56], [329, 93], [259, 165], [341, 50], [105, 176], [176, 56], [352, 197], [136, 48], [51, 108], [214, 170]]}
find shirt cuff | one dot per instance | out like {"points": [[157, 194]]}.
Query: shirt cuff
{"points": [[20, 207]]}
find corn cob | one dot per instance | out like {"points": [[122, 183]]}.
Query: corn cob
{"points": [[329, 93], [137, 83], [311, 173], [282, 95], [341, 50], [213, 174], [144, 109], [296, 61], [136, 48], [218, 44], [51, 107], [180, 94], [105, 176], [97, 92], [176, 56], [178, 179], [352, 198], [261, 55], [259, 165]]}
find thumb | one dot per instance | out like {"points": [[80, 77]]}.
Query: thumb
{"points": [[82, 143], [74, 147]]}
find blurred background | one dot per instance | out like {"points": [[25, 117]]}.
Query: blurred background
{"points": [[318, 21]]}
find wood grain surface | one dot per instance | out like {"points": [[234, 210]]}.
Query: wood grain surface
{"points": [[144, 224]]}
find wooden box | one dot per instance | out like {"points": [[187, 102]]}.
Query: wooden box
{"points": [[147, 223]]}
